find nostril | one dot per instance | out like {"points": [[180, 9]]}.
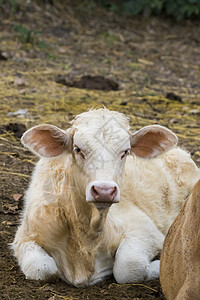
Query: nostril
{"points": [[94, 191], [114, 192]]}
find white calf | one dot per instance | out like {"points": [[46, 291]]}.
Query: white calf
{"points": [[91, 208]]}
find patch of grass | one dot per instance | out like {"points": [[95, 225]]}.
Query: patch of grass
{"points": [[110, 38], [68, 66], [29, 36], [135, 66], [107, 60], [51, 56], [11, 5], [180, 9]]}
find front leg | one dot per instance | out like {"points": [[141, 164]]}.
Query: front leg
{"points": [[133, 260], [34, 262]]}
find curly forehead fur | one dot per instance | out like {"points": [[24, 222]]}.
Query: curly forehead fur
{"points": [[100, 117]]}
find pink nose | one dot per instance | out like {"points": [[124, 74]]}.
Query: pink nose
{"points": [[104, 194]]}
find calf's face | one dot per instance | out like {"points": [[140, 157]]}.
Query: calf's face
{"points": [[100, 153], [99, 148]]}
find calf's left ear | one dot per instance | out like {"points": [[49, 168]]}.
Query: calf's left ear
{"points": [[152, 140], [47, 140]]}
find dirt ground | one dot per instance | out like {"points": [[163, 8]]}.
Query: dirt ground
{"points": [[150, 70]]}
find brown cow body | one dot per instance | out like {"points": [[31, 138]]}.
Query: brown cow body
{"points": [[180, 259]]}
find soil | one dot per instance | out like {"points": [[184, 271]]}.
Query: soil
{"points": [[153, 65], [91, 83]]}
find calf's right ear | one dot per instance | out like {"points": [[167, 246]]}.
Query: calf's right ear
{"points": [[47, 140]]}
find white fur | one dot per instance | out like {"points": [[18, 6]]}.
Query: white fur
{"points": [[35, 262], [133, 260]]}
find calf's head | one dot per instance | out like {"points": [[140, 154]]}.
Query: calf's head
{"points": [[99, 141]]}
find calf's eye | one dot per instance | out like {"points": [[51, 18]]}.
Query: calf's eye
{"points": [[126, 152], [79, 151]]}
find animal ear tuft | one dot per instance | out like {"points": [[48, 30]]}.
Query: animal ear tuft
{"points": [[152, 140], [47, 140]]}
